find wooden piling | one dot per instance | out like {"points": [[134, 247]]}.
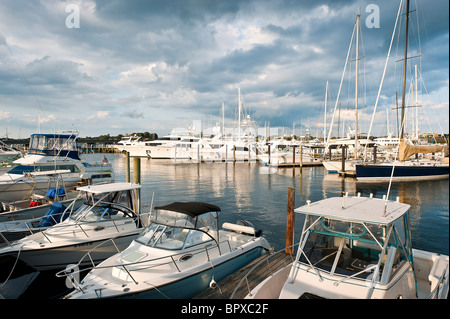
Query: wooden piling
{"points": [[127, 161], [343, 151], [136, 170], [293, 155], [301, 158], [137, 176], [290, 221], [374, 154]]}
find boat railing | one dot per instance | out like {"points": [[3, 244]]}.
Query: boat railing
{"points": [[28, 226], [136, 219], [440, 287], [268, 260], [175, 259]]}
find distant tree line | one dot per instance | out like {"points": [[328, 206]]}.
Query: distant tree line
{"points": [[107, 137]]}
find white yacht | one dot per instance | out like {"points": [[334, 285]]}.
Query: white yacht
{"points": [[110, 218], [387, 142], [51, 152], [357, 247], [181, 253], [132, 145], [163, 147]]}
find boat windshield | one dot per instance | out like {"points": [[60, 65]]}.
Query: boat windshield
{"points": [[100, 207], [353, 248], [165, 237], [174, 230]]}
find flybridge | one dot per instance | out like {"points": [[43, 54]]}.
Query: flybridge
{"points": [[61, 144]]}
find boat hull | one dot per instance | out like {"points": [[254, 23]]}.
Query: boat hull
{"points": [[14, 191], [191, 285], [334, 167], [55, 258], [379, 172]]}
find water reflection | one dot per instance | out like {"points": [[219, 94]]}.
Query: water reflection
{"points": [[258, 194]]}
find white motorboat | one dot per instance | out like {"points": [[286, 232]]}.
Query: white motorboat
{"points": [[180, 254], [132, 145], [7, 155], [50, 152], [163, 147], [357, 247], [25, 217], [110, 216], [36, 205], [7, 152], [334, 167]]}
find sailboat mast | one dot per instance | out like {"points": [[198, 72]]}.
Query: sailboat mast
{"points": [[402, 117], [325, 114], [239, 116], [223, 120], [356, 85], [417, 105]]}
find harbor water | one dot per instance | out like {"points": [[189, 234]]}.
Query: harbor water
{"points": [[258, 194]]}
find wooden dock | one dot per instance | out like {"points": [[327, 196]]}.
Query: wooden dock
{"points": [[304, 164], [348, 174], [268, 264]]}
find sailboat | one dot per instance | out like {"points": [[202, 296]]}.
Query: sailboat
{"points": [[351, 141], [407, 169]]}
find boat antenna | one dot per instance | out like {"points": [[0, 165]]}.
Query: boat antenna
{"points": [[402, 118]]}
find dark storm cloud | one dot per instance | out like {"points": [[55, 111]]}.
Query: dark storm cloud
{"points": [[181, 59]]}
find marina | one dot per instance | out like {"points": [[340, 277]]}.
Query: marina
{"points": [[255, 192], [222, 206]]}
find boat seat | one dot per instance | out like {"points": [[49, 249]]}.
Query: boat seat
{"points": [[196, 237]]}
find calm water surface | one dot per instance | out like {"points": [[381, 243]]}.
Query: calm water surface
{"points": [[259, 194]]}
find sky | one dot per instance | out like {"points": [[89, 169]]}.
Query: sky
{"points": [[117, 67]]}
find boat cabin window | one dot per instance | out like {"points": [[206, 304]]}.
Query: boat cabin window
{"points": [[99, 207], [53, 142], [352, 248], [21, 169]]}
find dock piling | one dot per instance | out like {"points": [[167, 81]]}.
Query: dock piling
{"points": [[290, 221], [127, 154]]}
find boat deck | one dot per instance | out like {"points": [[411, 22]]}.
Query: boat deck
{"points": [[261, 272]]}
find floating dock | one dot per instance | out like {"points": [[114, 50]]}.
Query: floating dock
{"points": [[304, 164]]}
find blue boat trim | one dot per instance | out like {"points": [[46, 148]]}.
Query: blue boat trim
{"points": [[385, 171]]}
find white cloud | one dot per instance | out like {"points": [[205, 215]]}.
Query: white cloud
{"points": [[174, 61]]}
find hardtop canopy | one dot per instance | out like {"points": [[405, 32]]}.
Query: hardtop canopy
{"points": [[107, 188], [357, 209], [192, 209]]}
